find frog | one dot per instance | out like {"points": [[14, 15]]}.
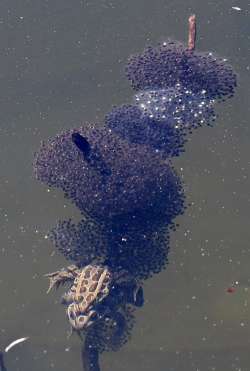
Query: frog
{"points": [[91, 285]]}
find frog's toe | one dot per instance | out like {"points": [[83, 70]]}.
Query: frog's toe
{"points": [[53, 282]]}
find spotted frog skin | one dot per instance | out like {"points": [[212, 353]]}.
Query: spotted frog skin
{"points": [[90, 285]]}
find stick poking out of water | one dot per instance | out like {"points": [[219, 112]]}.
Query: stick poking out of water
{"points": [[191, 32]]}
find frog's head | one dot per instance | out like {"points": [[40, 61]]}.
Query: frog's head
{"points": [[81, 320]]}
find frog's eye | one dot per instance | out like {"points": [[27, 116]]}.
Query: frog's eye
{"points": [[93, 316], [81, 319]]}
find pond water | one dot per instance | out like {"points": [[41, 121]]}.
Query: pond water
{"points": [[62, 65]]}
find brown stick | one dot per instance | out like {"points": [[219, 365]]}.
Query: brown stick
{"points": [[191, 32]]}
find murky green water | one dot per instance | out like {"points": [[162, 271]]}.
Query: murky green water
{"points": [[62, 64]]}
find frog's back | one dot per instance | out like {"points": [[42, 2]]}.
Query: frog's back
{"points": [[91, 284]]}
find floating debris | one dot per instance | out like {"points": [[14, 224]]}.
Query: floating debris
{"points": [[14, 343], [6, 350], [231, 289], [236, 8]]}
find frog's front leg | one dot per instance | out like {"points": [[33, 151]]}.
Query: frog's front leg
{"points": [[60, 277], [68, 298]]}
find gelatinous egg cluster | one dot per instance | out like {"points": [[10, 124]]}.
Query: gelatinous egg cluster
{"points": [[112, 332], [171, 63], [185, 108], [140, 189], [130, 123], [120, 175], [176, 90], [83, 242]]}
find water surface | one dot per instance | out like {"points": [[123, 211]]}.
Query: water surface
{"points": [[61, 65]]}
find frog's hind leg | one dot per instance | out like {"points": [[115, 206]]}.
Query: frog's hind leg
{"points": [[132, 293], [79, 333], [131, 287], [72, 331]]}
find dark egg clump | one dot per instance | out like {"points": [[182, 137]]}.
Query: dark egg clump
{"points": [[171, 63], [115, 179]]}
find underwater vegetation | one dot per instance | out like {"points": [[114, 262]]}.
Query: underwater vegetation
{"points": [[120, 176]]}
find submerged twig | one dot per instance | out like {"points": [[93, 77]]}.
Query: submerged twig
{"points": [[2, 365], [90, 358]]}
